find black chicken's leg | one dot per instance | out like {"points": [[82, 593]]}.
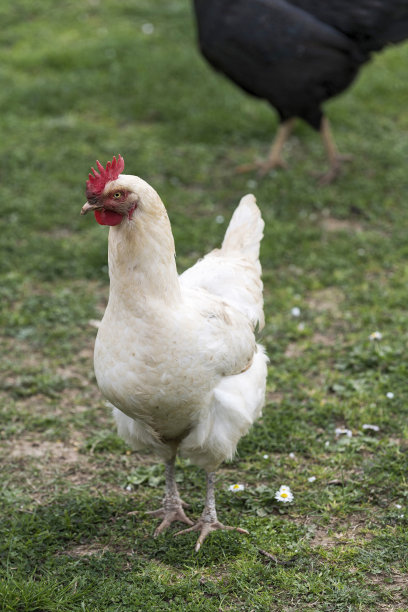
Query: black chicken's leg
{"points": [[335, 158], [172, 509]]}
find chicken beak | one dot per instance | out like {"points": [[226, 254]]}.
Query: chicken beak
{"points": [[87, 207]]}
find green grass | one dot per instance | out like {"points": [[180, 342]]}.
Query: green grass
{"points": [[80, 81]]}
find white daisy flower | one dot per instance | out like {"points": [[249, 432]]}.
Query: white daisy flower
{"points": [[236, 487], [343, 431], [266, 456], [295, 312], [292, 455], [398, 506], [371, 427], [327, 443], [390, 395], [129, 488], [148, 28], [312, 478], [251, 184], [376, 335], [284, 495]]}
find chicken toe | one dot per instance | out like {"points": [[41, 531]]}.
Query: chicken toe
{"points": [[274, 159], [262, 167], [208, 521], [205, 527], [334, 170], [170, 513]]}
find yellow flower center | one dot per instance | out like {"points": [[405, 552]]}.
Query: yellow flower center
{"points": [[284, 494]]}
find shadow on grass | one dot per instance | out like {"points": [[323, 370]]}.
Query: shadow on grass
{"points": [[91, 530]]}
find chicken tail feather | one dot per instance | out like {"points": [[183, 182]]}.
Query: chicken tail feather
{"points": [[245, 230]]}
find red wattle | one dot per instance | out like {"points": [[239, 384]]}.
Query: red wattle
{"points": [[108, 217]]}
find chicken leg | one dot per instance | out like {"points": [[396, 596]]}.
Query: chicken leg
{"points": [[335, 158], [274, 159], [208, 521], [172, 509]]}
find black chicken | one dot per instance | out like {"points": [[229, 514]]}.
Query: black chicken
{"points": [[296, 54]]}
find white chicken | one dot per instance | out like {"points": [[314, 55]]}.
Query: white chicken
{"points": [[177, 355]]}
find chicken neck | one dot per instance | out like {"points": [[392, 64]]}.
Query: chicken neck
{"points": [[142, 266]]}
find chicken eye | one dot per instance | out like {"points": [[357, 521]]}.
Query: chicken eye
{"points": [[117, 195]]}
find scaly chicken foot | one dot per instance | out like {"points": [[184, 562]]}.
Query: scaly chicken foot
{"points": [[274, 159], [208, 521], [170, 514], [335, 158], [207, 527], [173, 505]]}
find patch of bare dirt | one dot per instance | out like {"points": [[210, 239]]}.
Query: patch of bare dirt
{"points": [[40, 462], [390, 607], [20, 352], [27, 359], [327, 537], [96, 549], [331, 224], [86, 550], [395, 581], [335, 533], [293, 350], [296, 349], [275, 397], [326, 300], [56, 451], [396, 587], [323, 339]]}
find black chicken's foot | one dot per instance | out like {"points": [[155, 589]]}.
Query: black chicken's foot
{"points": [[274, 159], [335, 158], [262, 167], [335, 169]]}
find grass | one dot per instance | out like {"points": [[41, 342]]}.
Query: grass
{"points": [[86, 80]]}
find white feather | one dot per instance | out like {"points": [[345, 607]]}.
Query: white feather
{"points": [[234, 271]]}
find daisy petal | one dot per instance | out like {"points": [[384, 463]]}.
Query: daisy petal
{"points": [[236, 487]]}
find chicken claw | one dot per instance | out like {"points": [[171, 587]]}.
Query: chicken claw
{"points": [[334, 171], [262, 167], [274, 159], [170, 514], [205, 528], [208, 521]]}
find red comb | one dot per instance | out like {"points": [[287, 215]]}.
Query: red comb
{"points": [[97, 181]]}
